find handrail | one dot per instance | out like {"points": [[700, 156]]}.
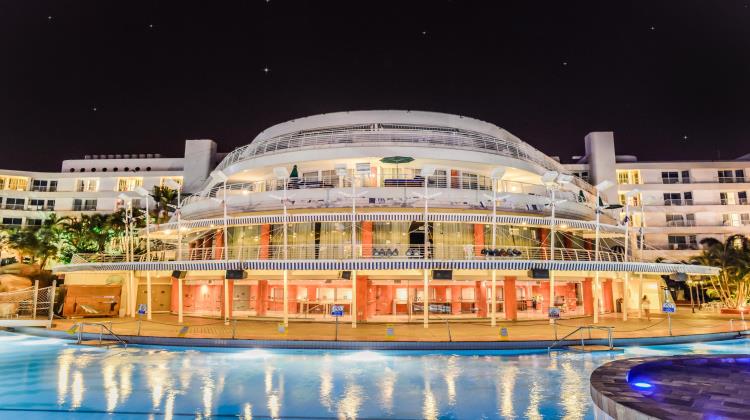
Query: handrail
{"points": [[369, 251], [399, 134], [588, 328], [102, 327]]}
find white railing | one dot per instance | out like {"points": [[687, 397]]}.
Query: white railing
{"points": [[375, 251], [29, 303], [411, 135]]}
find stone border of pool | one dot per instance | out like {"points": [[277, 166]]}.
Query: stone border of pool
{"points": [[613, 395], [377, 345]]}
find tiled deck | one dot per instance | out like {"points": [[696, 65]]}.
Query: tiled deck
{"points": [[682, 387]]}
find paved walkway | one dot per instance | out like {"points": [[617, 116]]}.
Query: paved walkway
{"points": [[164, 325]]}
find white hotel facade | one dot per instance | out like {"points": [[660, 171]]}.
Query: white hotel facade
{"points": [[292, 238]]}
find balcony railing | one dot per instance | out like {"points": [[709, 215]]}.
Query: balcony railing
{"points": [[676, 223], [411, 135], [344, 252]]}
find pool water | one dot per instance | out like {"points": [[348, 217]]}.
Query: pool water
{"points": [[49, 378]]}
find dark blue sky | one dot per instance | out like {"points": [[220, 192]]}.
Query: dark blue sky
{"points": [[549, 72]]}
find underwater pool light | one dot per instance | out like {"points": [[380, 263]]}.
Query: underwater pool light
{"points": [[642, 385]]}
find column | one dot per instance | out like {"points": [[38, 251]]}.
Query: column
{"points": [[286, 297], [455, 300], [480, 295], [361, 297], [148, 295], [544, 290], [426, 299], [607, 295], [261, 299], [265, 241], [366, 239], [293, 304], [478, 239], [493, 299], [510, 303], [588, 297], [179, 301]]}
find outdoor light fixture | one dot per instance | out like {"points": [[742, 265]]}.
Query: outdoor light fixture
{"points": [[642, 385], [549, 177], [497, 173], [427, 171], [280, 172], [604, 185], [220, 175]]}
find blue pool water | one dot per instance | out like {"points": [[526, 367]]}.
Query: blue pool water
{"points": [[49, 378]]}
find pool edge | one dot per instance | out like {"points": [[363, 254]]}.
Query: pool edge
{"points": [[378, 345]]}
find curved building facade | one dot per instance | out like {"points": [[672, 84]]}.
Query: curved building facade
{"points": [[389, 216]]}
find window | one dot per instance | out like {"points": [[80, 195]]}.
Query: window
{"points": [[680, 220], [672, 199], [634, 201], [670, 177], [50, 205], [33, 222], [15, 203], [729, 175], [469, 181], [163, 182], [39, 185], [732, 198], [682, 242], [688, 198], [84, 205], [584, 175], [685, 177], [14, 183], [13, 221], [36, 204], [129, 184], [736, 219], [87, 185], [629, 177]]}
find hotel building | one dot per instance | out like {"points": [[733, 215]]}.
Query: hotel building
{"points": [[390, 214]]}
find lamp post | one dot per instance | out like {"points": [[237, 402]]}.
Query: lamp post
{"points": [[129, 251], [144, 193], [626, 288], [641, 234], [282, 173], [218, 174], [602, 186], [553, 181], [426, 172], [496, 175]]}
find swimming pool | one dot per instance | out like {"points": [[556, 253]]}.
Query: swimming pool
{"points": [[48, 378]]}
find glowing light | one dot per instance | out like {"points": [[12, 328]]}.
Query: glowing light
{"points": [[204, 290], [642, 385]]}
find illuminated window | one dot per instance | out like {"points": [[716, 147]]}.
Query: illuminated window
{"points": [[129, 184], [14, 183], [177, 179], [629, 177], [87, 185]]}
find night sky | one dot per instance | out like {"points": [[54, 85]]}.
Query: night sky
{"points": [[671, 78]]}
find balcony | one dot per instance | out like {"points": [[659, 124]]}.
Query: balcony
{"points": [[678, 202], [680, 223], [374, 252], [85, 207]]}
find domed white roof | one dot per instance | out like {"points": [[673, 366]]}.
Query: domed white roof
{"points": [[419, 118]]}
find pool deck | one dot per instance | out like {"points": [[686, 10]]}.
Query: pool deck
{"points": [[163, 329]]}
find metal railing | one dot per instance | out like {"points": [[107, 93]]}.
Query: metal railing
{"points": [[375, 251], [102, 329], [30, 303], [385, 134], [588, 328], [402, 180]]}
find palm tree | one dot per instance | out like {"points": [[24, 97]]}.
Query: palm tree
{"points": [[733, 257], [163, 197]]}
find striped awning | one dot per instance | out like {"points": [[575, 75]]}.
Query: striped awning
{"points": [[388, 217], [394, 264]]}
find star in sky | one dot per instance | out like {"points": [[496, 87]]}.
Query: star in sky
{"points": [[266, 70], [151, 25], [684, 137], [653, 28], [424, 32], [93, 109], [49, 17], [564, 63]]}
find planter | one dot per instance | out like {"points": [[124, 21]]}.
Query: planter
{"points": [[736, 311]]}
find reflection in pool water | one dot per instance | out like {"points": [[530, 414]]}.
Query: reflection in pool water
{"points": [[52, 377]]}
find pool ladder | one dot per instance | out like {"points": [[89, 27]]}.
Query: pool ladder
{"points": [[583, 342], [102, 328]]}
